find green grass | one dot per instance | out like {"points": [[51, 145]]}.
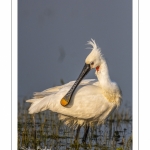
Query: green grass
{"points": [[45, 130]]}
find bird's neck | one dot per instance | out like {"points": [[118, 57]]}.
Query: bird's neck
{"points": [[108, 88], [103, 75]]}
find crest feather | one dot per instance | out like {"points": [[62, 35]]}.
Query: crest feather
{"points": [[94, 46]]}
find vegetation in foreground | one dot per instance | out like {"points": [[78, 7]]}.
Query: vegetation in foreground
{"points": [[45, 131]]}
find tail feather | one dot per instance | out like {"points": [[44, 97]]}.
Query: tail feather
{"points": [[38, 105]]}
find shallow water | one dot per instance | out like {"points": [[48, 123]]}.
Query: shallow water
{"points": [[45, 131]]}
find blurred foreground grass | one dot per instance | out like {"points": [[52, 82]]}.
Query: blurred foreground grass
{"points": [[49, 133]]}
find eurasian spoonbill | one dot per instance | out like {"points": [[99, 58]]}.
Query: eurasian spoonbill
{"points": [[82, 103]]}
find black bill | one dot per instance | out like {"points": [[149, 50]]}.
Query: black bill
{"points": [[66, 99]]}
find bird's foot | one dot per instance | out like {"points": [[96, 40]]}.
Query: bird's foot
{"points": [[84, 145], [84, 142], [75, 142]]}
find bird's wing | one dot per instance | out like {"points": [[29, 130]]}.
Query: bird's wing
{"points": [[47, 92], [55, 89], [52, 96]]}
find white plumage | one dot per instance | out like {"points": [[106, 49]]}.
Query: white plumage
{"points": [[92, 101]]}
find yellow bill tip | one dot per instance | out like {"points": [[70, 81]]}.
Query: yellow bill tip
{"points": [[63, 102]]}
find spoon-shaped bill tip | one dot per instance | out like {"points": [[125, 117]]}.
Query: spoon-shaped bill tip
{"points": [[64, 102]]}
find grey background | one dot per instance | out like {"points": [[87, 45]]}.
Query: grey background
{"points": [[52, 37]]}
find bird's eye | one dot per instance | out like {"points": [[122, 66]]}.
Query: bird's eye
{"points": [[92, 63]]}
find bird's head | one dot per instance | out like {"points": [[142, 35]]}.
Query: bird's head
{"points": [[95, 57]]}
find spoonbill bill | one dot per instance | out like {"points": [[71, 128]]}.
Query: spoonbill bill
{"points": [[80, 103]]}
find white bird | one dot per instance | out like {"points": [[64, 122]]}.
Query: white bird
{"points": [[82, 103]]}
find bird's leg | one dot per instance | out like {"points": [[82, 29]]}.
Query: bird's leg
{"points": [[86, 130], [77, 133], [34, 129]]}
